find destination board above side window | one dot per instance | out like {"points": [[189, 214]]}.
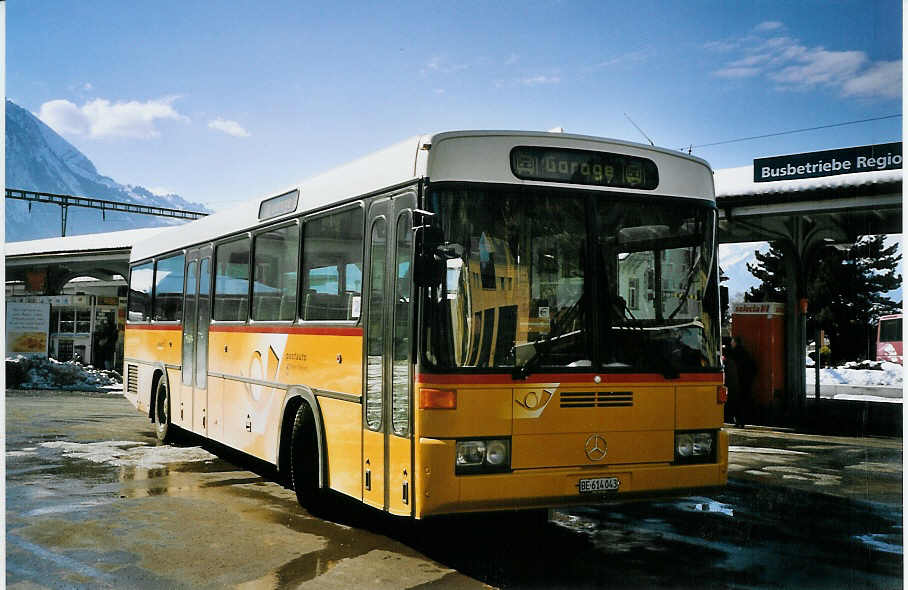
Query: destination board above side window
{"points": [[279, 205], [584, 167]]}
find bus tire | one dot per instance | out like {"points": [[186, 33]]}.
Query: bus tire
{"points": [[164, 430], [304, 462]]}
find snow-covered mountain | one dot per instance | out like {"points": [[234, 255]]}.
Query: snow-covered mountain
{"points": [[38, 159], [733, 260]]}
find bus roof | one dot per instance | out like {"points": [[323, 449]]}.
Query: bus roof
{"points": [[465, 156]]}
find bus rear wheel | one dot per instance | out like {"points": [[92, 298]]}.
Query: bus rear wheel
{"points": [[304, 461], [163, 429]]}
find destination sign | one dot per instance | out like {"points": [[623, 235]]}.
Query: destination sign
{"points": [[884, 156], [584, 167], [279, 205]]}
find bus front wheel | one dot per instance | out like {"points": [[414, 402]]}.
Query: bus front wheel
{"points": [[304, 461], [162, 426]]}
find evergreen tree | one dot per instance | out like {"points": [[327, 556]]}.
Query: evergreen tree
{"points": [[723, 298], [771, 272], [846, 291]]}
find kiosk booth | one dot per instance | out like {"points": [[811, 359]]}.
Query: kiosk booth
{"points": [[761, 328]]}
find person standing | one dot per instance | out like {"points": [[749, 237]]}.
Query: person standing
{"points": [[106, 346], [739, 374]]}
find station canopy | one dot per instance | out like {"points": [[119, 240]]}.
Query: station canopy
{"points": [[834, 209]]}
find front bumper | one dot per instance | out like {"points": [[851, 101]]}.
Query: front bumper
{"points": [[439, 491]]}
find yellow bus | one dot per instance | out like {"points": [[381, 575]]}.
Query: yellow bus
{"points": [[464, 321]]}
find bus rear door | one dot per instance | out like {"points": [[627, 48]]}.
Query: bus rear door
{"points": [[387, 407], [196, 319]]}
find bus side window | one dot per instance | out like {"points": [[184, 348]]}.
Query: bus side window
{"points": [[274, 287], [332, 266], [168, 289], [141, 279], [231, 287]]}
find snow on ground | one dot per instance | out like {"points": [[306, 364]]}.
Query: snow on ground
{"points": [[124, 453], [879, 373], [24, 372]]}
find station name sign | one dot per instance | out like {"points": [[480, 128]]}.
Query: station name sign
{"points": [[884, 156]]}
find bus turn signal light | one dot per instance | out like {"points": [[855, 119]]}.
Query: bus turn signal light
{"points": [[721, 394], [437, 399]]}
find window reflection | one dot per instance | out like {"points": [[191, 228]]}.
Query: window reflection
{"points": [[554, 278]]}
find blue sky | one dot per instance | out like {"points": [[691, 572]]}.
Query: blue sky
{"points": [[222, 101]]}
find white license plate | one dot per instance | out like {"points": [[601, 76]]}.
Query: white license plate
{"points": [[599, 484]]}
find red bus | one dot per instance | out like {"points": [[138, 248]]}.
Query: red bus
{"points": [[889, 339]]}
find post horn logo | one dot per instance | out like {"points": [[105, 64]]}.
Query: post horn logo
{"points": [[535, 402], [596, 448]]}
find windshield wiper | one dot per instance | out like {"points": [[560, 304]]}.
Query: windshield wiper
{"points": [[544, 346]]}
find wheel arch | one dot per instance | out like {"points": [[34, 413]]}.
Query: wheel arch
{"points": [[296, 397]]}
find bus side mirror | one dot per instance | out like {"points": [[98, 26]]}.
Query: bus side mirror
{"points": [[428, 269], [432, 254]]}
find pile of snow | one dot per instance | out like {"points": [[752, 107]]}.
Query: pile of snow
{"points": [[865, 373], [124, 453], [24, 372]]}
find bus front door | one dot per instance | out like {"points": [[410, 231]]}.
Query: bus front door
{"points": [[387, 407], [193, 398]]}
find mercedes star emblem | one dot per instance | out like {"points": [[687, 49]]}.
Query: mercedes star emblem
{"points": [[595, 448]]}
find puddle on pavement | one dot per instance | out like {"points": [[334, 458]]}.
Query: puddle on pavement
{"points": [[784, 469], [189, 481], [877, 469], [764, 451], [129, 453], [882, 542], [705, 505]]}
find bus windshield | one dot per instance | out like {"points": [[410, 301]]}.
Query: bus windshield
{"points": [[557, 279]]}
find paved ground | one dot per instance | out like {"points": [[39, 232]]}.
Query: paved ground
{"points": [[93, 502], [865, 469]]}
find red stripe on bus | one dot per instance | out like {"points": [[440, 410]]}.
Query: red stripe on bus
{"points": [[499, 379], [308, 330], [177, 327]]}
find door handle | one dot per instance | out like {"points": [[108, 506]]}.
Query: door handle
{"points": [[405, 488]]}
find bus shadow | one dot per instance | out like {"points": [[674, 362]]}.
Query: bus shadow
{"points": [[509, 549]]}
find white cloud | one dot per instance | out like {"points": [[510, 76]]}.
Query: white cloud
{"points": [[818, 66], [881, 79], [512, 59], [721, 46], [732, 254], [736, 72], [440, 64], [101, 119], [64, 117], [770, 25], [538, 80], [434, 63], [751, 60], [160, 191], [783, 60], [229, 127]]}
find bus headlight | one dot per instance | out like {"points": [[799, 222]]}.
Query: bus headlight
{"points": [[497, 453], [703, 444], [684, 445], [483, 456], [695, 447], [470, 453]]}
